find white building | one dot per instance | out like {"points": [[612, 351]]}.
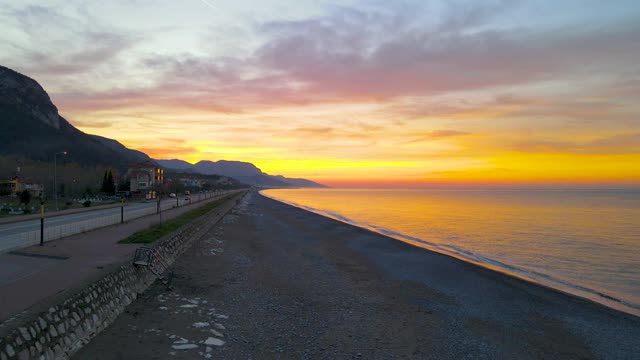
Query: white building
{"points": [[145, 176]]}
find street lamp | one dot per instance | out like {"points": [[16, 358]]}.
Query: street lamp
{"points": [[42, 200], [55, 175]]}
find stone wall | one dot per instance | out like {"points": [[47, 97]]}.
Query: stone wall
{"points": [[64, 328]]}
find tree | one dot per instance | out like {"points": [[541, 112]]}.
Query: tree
{"points": [[108, 187], [175, 187], [105, 179], [124, 185], [88, 191], [111, 184], [25, 197]]}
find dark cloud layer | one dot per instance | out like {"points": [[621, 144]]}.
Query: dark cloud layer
{"points": [[85, 46], [361, 56]]}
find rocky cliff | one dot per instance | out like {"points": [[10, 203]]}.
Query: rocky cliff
{"points": [[30, 126]]}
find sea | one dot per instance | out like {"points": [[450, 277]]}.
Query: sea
{"points": [[584, 242]]}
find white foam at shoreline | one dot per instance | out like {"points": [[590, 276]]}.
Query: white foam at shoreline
{"points": [[495, 265]]}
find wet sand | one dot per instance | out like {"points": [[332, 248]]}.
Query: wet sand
{"points": [[275, 282]]}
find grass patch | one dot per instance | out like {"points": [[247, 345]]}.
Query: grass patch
{"points": [[155, 232]]}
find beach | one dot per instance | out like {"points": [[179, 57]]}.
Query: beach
{"points": [[272, 281]]}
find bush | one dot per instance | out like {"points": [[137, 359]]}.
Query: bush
{"points": [[25, 197], [87, 203]]}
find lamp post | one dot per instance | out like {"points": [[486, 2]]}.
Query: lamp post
{"points": [[55, 175], [159, 209], [42, 198], [121, 209]]}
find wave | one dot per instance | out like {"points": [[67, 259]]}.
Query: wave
{"points": [[475, 258]]}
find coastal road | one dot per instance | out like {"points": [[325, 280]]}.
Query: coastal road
{"points": [[26, 233]]}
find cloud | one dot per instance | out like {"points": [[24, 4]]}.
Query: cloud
{"points": [[606, 111], [338, 58], [460, 17], [346, 56], [62, 44], [436, 135], [594, 107], [604, 145], [173, 140], [315, 131], [92, 124]]}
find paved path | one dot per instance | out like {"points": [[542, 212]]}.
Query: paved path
{"points": [[38, 275]]}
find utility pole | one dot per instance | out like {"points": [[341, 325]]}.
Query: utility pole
{"points": [[41, 220], [121, 209], [159, 210], [55, 176]]}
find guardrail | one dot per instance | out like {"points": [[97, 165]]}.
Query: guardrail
{"points": [[29, 238]]}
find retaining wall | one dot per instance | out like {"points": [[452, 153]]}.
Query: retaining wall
{"points": [[64, 328]]}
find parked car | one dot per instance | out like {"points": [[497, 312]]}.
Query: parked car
{"points": [[172, 195]]}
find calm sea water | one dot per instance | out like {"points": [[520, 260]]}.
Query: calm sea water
{"points": [[586, 242]]}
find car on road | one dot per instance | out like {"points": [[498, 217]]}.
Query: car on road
{"points": [[172, 195]]}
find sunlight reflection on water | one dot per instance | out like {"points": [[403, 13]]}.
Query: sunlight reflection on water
{"points": [[576, 240]]}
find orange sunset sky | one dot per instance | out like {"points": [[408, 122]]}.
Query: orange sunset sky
{"points": [[358, 93]]}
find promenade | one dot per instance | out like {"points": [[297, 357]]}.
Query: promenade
{"points": [[33, 277]]}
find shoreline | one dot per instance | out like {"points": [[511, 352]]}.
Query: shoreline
{"points": [[272, 281], [574, 290]]}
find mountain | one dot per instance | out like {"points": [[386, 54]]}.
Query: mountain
{"points": [[31, 127], [296, 182], [229, 168], [243, 171], [134, 155], [178, 181], [175, 164]]}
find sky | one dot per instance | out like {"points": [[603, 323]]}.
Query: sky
{"points": [[352, 92]]}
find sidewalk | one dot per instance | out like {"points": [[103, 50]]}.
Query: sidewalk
{"points": [[34, 276]]}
